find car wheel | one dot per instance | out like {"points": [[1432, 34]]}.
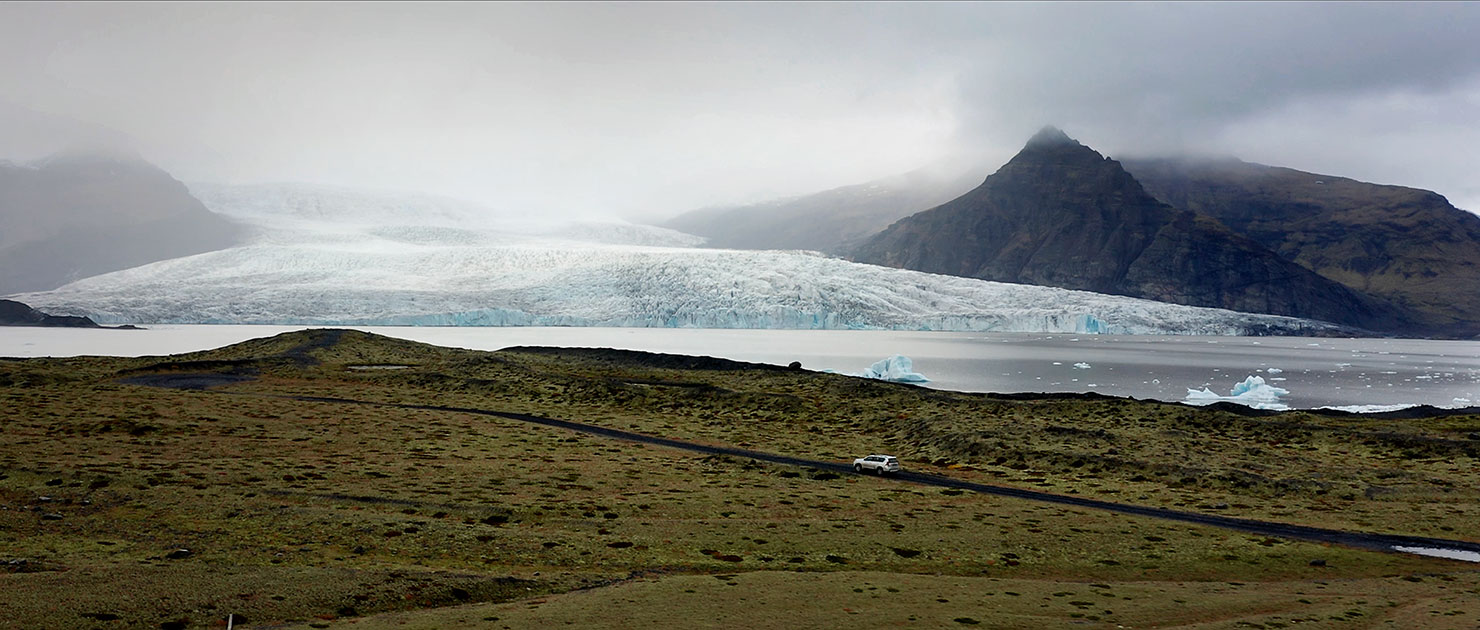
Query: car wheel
{"points": [[879, 471], [858, 468]]}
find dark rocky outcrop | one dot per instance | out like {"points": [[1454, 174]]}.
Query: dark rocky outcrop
{"points": [[1060, 214], [1406, 245], [71, 217], [14, 313], [831, 221]]}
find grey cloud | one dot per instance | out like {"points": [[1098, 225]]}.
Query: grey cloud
{"points": [[649, 109]]}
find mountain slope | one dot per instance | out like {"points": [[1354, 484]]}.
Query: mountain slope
{"points": [[71, 217], [1407, 245], [1060, 214], [13, 313], [831, 221]]}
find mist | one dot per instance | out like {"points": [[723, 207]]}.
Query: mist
{"points": [[642, 111]]}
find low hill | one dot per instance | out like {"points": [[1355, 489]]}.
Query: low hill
{"points": [[13, 313]]}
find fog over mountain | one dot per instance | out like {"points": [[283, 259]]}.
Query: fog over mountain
{"points": [[642, 111]]}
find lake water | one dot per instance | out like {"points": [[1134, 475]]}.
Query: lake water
{"points": [[1316, 372]]}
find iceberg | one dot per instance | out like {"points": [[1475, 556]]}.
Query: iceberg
{"points": [[897, 369], [1252, 392]]}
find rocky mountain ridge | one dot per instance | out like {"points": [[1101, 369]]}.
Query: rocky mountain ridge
{"points": [[1405, 245], [1061, 214]]}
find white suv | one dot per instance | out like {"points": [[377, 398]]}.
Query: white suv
{"points": [[880, 464]]}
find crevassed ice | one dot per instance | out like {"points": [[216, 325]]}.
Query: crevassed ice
{"points": [[1370, 408], [304, 269]]}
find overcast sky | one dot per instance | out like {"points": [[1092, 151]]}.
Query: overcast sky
{"points": [[645, 110]]}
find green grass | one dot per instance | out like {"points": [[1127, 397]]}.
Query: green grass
{"points": [[307, 512], [768, 599]]}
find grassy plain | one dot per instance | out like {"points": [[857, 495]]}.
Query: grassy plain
{"points": [[125, 505]]}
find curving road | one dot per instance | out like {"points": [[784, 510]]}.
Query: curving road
{"points": [[1452, 549]]}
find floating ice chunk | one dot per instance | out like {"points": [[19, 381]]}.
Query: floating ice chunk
{"points": [[898, 369], [1253, 392], [1274, 370], [1081, 366]]}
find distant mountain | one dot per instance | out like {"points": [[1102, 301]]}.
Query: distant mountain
{"points": [[1407, 245], [831, 221], [13, 313], [1060, 214], [71, 217]]}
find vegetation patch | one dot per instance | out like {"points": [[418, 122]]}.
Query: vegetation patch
{"points": [[142, 506]]}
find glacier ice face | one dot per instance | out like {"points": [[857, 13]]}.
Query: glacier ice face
{"points": [[1370, 408], [1252, 392], [897, 369], [377, 281], [310, 264]]}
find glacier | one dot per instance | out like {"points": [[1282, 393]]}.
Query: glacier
{"points": [[315, 260], [1252, 392]]}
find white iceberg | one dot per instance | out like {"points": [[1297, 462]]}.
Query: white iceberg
{"points": [[1081, 366], [897, 369], [1252, 392]]}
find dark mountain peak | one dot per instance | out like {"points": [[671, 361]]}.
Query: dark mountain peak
{"points": [[1054, 165], [1051, 136], [1051, 149], [1061, 214]]}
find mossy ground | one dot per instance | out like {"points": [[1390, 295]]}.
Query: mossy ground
{"points": [[306, 512]]}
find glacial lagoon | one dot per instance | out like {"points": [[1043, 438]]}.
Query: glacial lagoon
{"points": [[1362, 374]]}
